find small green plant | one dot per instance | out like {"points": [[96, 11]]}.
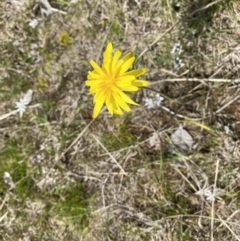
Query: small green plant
{"points": [[64, 39]]}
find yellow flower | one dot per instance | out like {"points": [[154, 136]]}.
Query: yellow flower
{"points": [[109, 82]]}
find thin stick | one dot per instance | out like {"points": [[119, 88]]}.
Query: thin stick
{"points": [[225, 223], [49, 8], [2, 117], [112, 157], [226, 105], [213, 201], [156, 40], [192, 80], [171, 112], [205, 7], [8, 114], [73, 143], [77, 139], [184, 177]]}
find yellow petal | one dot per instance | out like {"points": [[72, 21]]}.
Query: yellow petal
{"points": [[117, 109], [129, 88], [115, 89], [93, 82], [93, 75], [140, 83], [99, 100], [126, 98], [127, 56], [97, 108], [93, 89], [99, 97], [115, 58], [128, 78], [108, 53], [109, 103], [126, 65], [95, 66], [136, 72], [124, 59], [121, 103], [124, 83]]}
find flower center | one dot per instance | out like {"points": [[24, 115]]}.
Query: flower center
{"points": [[110, 80]]}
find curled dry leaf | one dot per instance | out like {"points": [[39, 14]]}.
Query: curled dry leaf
{"points": [[182, 139]]}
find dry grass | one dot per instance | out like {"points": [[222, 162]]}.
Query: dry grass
{"points": [[120, 178]]}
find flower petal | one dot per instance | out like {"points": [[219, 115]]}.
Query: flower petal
{"points": [[136, 72], [108, 52], [120, 102], [127, 56], [99, 100], [140, 83], [115, 58], [94, 89], [116, 109], [109, 103], [126, 98], [124, 59], [128, 78], [92, 82], [99, 97], [96, 67], [93, 75], [126, 65], [130, 88], [125, 82], [96, 110]]}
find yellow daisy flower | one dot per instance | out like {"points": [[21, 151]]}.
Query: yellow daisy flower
{"points": [[109, 82]]}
